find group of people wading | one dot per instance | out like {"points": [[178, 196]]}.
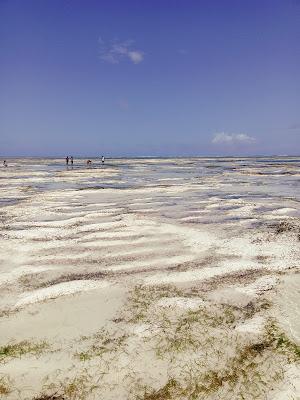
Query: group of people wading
{"points": [[70, 160]]}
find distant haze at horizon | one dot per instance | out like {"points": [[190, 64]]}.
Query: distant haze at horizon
{"points": [[138, 79], [116, 157]]}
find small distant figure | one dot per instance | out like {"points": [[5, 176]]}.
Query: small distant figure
{"points": [[4, 163], [72, 160], [89, 162], [67, 160], [102, 159]]}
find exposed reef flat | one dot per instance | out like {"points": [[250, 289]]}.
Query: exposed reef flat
{"points": [[150, 279]]}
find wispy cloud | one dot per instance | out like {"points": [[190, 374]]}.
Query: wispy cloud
{"points": [[115, 51], [136, 56], [232, 138]]}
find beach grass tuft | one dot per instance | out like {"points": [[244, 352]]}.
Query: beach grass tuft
{"points": [[278, 339], [212, 360], [247, 372], [5, 385], [15, 350], [54, 396], [102, 342], [164, 393], [141, 297], [71, 388]]}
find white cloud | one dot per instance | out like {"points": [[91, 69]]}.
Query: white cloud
{"points": [[115, 51], [136, 56], [232, 138]]}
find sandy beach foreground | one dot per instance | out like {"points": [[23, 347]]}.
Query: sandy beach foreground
{"points": [[150, 279]]}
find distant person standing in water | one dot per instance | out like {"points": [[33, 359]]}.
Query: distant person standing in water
{"points": [[71, 160], [4, 163], [67, 160], [102, 159]]}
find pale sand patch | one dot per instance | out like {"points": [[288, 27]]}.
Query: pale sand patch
{"points": [[39, 233], [30, 371], [197, 241], [260, 286], [144, 210], [140, 252], [147, 203], [287, 308], [156, 262], [136, 243], [243, 295], [285, 211], [16, 273], [193, 218], [291, 388], [102, 225], [117, 235], [246, 210], [254, 325], [84, 173], [190, 276], [61, 289], [180, 302], [64, 318], [142, 330], [230, 296], [212, 206]]}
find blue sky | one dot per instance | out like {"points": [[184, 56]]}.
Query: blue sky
{"points": [[134, 78]]}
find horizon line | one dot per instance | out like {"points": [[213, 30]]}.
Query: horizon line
{"points": [[151, 156]]}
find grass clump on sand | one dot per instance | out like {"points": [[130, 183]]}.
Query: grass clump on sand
{"points": [[19, 349], [281, 342], [102, 342], [288, 226], [250, 372], [5, 385], [164, 393], [247, 372], [208, 358], [187, 330], [176, 329], [75, 388], [141, 297], [284, 226], [54, 396]]}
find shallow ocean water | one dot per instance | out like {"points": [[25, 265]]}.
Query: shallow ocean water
{"points": [[230, 178]]}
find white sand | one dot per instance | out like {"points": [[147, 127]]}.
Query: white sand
{"points": [[190, 276], [61, 289], [254, 325], [260, 286], [180, 302], [286, 306]]}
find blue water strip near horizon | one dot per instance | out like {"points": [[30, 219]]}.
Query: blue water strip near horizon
{"points": [[240, 177]]}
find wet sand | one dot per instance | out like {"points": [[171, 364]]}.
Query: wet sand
{"points": [[150, 279]]}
